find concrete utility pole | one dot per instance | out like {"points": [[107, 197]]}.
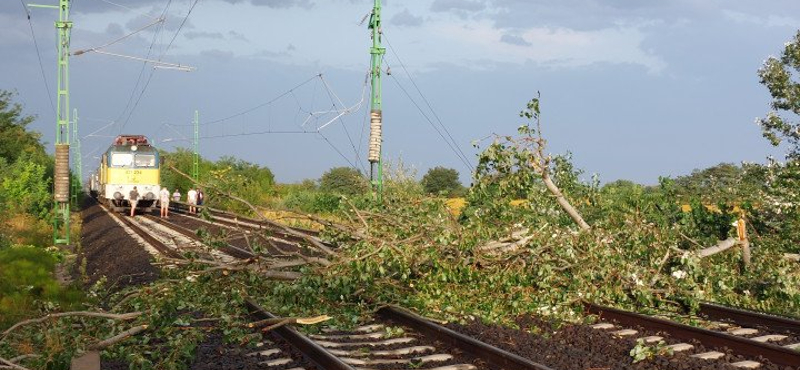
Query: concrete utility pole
{"points": [[376, 114], [196, 157], [61, 181]]}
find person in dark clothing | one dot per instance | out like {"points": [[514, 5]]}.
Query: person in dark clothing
{"points": [[133, 197]]}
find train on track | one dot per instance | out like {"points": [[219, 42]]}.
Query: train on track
{"points": [[130, 161]]}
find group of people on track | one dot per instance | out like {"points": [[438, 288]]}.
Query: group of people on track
{"points": [[194, 198]]}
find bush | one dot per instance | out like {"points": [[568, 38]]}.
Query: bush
{"points": [[440, 180], [312, 202], [345, 181], [24, 188], [26, 283]]}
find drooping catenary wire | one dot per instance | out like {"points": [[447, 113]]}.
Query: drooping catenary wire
{"points": [[428, 104], [131, 9], [144, 65], [39, 56], [435, 128], [331, 96], [301, 111], [96, 48], [248, 110], [163, 53]]}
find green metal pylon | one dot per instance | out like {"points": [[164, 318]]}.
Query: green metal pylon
{"points": [[376, 114], [196, 157], [61, 180], [77, 165]]}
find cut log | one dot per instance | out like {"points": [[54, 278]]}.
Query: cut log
{"points": [[722, 246]]}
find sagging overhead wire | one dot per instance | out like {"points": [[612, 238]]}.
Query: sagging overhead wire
{"points": [[248, 110], [39, 56], [141, 72], [97, 48], [451, 142], [453, 148], [130, 9], [163, 53]]}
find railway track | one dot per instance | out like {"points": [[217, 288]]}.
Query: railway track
{"points": [[292, 234], [144, 234], [397, 339], [743, 341], [430, 346]]}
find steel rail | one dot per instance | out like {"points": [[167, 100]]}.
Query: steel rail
{"points": [[739, 316], [157, 244], [272, 225], [469, 345], [313, 351], [228, 249], [774, 353], [253, 224]]}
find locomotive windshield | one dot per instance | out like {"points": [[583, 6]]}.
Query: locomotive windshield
{"points": [[145, 160], [121, 159]]}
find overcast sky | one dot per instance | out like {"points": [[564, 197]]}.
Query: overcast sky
{"points": [[634, 89]]}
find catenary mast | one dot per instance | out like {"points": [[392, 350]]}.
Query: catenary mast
{"points": [[61, 191], [376, 114]]}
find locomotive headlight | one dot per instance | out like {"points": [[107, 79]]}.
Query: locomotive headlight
{"points": [[117, 195], [134, 147]]}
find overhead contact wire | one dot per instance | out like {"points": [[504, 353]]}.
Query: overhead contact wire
{"points": [[39, 56], [425, 99]]}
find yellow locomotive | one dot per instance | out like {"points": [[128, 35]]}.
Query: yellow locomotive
{"points": [[129, 161]]}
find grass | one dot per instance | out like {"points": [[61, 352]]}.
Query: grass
{"points": [[27, 284]]}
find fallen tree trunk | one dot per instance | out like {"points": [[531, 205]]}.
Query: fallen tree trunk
{"points": [[118, 338], [563, 202], [104, 315], [722, 246]]}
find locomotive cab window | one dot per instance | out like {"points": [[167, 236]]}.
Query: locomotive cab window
{"points": [[121, 159], [145, 160]]}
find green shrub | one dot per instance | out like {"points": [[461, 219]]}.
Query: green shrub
{"points": [[27, 285], [312, 202]]}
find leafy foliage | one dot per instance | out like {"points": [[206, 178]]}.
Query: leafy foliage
{"points": [[25, 188], [345, 181], [15, 139], [441, 180], [26, 284], [250, 181], [779, 75]]}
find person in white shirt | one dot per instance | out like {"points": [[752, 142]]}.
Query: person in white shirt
{"points": [[164, 202], [191, 199]]}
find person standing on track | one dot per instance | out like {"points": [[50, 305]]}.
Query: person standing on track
{"points": [[201, 197], [134, 198], [191, 198], [164, 202]]}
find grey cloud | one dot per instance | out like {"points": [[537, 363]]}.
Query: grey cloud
{"points": [[458, 6], [514, 40], [115, 29], [405, 18], [276, 4], [172, 22], [237, 36], [204, 35], [217, 54], [269, 54]]}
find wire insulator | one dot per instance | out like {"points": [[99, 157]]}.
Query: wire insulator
{"points": [[61, 192], [375, 135]]}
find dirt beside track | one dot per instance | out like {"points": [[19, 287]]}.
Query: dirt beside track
{"points": [[579, 347], [109, 251]]}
